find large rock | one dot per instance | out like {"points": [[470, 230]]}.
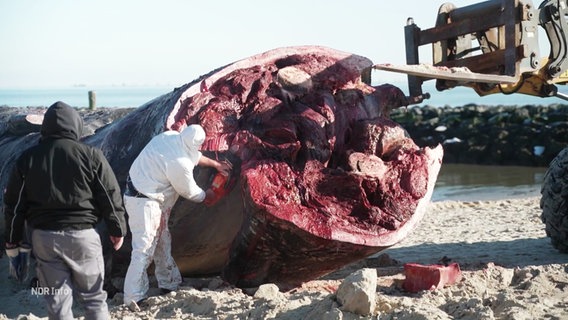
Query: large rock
{"points": [[358, 292]]}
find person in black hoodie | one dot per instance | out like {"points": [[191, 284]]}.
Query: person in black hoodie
{"points": [[62, 188]]}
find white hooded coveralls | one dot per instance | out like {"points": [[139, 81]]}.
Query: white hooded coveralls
{"points": [[162, 171]]}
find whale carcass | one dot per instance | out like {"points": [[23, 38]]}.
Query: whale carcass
{"points": [[322, 178]]}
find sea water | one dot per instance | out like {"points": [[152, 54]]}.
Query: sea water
{"points": [[466, 182], [109, 96], [135, 96]]}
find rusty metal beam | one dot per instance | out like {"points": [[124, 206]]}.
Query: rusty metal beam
{"points": [[491, 62], [459, 28]]}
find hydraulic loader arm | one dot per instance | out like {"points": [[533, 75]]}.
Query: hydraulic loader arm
{"points": [[491, 47]]}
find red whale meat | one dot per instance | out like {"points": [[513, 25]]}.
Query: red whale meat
{"points": [[325, 178]]}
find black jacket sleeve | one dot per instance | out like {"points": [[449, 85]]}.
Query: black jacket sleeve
{"points": [[15, 206], [108, 198]]}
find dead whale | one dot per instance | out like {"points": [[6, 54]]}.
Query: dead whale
{"points": [[323, 177]]}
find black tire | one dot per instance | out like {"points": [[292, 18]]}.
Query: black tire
{"points": [[554, 201]]}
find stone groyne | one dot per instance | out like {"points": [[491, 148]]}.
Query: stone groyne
{"points": [[530, 135], [489, 135]]}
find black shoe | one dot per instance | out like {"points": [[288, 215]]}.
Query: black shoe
{"points": [[164, 291]]}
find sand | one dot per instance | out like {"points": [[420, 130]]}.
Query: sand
{"points": [[509, 271]]}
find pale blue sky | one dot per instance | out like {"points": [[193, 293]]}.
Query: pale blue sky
{"points": [[47, 43]]}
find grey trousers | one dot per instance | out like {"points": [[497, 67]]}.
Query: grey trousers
{"points": [[70, 263]]}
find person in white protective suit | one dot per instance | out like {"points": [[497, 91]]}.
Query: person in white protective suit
{"points": [[162, 171]]}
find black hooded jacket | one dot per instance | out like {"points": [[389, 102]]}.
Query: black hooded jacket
{"points": [[61, 183]]}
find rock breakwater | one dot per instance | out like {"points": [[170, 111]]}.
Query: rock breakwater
{"points": [[527, 135]]}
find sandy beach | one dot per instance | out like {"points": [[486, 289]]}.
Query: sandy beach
{"points": [[509, 271]]}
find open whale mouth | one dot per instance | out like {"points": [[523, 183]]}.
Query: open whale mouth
{"points": [[325, 178]]}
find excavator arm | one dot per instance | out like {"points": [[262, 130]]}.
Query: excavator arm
{"points": [[491, 47]]}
